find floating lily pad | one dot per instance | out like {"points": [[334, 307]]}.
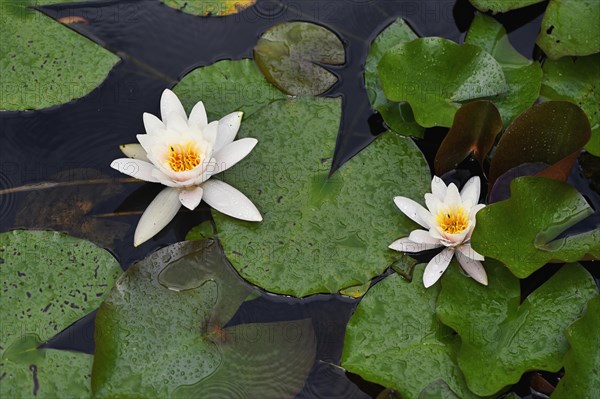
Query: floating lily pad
{"points": [[502, 5], [210, 7], [548, 132], [539, 210], [502, 338], [474, 131], [570, 27], [44, 63], [397, 116], [49, 281], [319, 234], [291, 55], [395, 340], [163, 331], [523, 76], [417, 72], [576, 80], [582, 362], [437, 390]]}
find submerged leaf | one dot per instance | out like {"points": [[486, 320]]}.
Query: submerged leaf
{"points": [[291, 55], [502, 338], [502, 5], [49, 281], [539, 210], [395, 340], [417, 72], [218, 8]]}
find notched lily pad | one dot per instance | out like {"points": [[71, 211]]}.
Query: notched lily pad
{"points": [[502, 338], [539, 210], [291, 56], [417, 72], [44, 63], [49, 281], [163, 331], [502, 5], [219, 8]]}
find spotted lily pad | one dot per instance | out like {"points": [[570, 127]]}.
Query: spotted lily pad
{"points": [[537, 218], [502, 5], [576, 80], [570, 27], [395, 340], [502, 338], [210, 7], [523, 76], [291, 55], [319, 234], [582, 361], [397, 116], [44, 63], [49, 281], [417, 72], [163, 331]]}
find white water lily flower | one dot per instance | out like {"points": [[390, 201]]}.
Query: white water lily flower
{"points": [[183, 154], [449, 220]]}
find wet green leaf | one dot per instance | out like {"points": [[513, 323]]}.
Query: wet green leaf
{"points": [[570, 27], [397, 116], [44, 63], [576, 80], [210, 7], [548, 132], [319, 234], [474, 131], [395, 340], [291, 55], [438, 390], [521, 230], [502, 5], [523, 76], [417, 72], [163, 331], [203, 231], [582, 361], [502, 338], [49, 281]]}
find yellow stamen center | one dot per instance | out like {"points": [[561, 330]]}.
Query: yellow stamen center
{"points": [[452, 220], [183, 157]]}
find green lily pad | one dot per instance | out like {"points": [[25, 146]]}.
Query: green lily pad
{"points": [[163, 331], [44, 63], [582, 361], [576, 80], [395, 340], [290, 56], [319, 234], [548, 132], [527, 242], [502, 338], [417, 72], [397, 116], [49, 281], [523, 76], [502, 5], [218, 8], [437, 390], [570, 27]]}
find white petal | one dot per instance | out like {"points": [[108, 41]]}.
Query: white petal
{"points": [[436, 267], [152, 124], [407, 245], [452, 197], [438, 188], [470, 192], [469, 252], [473, 268], [228, 128], [177, 123], [433, 203], [135, 168], [164, 179], [170, 105], [232, 153], [412, 209], [210, 133], [147, 141], [423, 237], [476, 209], [135, 151], [158, 214], [191, 198], [198, 119], [228, 200]]}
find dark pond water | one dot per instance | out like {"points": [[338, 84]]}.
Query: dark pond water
{"points": [[158, 46]]}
